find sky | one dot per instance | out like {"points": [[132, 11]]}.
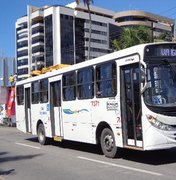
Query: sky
{"points": [[11, 10]]}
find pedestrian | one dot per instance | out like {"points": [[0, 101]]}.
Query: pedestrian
{"points": [[11, 79]]}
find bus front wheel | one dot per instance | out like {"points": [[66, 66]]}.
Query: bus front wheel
{"points": [[41, 134], [108, 145]]}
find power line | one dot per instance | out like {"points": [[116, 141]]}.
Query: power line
{"points": [[172, 14], [168, 10]]}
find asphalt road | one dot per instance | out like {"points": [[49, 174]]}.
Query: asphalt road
{"points": [[23, 158]]}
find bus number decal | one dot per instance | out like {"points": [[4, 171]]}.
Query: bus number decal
{"points": [[95, 103]]}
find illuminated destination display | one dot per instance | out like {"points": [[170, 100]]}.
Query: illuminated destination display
{"points": [[168, 52], [164, 50]]}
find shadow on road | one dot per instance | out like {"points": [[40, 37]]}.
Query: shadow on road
{"points": [[7, 172], [5, 158], [73, 145], [156, 157]]}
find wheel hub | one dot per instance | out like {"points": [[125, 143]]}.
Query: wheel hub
{"points": [[109, 143]]}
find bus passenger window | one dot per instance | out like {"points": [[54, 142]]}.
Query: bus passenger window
{"points": [[69, 86], [35, 92], [106, 80], [85, 83], [44, 91]]}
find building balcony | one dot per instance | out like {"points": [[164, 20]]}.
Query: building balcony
{"points": [[38, 44], [22, 57], [37, 24], [37, 34], [22, 48], [37, 14]]}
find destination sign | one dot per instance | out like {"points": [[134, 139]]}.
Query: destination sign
{"points": [[162, 50], [167, 52]]}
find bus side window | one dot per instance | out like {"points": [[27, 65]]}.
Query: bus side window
{"points": [[85, 83], [44, 91], [106, 80], [35, 92], [69, 86]]}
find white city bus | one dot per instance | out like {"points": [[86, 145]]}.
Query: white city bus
{"points": [[126, 99]]}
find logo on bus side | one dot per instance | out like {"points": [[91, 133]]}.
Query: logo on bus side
{"points": [[69, 111], [112, 105]]}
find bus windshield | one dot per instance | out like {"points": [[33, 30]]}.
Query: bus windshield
{"points": [[161, 81]]}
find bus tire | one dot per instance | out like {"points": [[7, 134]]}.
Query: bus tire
{"points": [[41, 134], [108, 145]]}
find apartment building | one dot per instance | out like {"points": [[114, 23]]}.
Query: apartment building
{"points": [[60, 34], [157, 24]]}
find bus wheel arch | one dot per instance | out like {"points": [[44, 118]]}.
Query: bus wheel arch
{"points": [[99, 130], [105, 137], [43, 140]]}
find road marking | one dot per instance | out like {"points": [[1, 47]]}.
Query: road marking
{"points": [[121, 166], [35, 147]]}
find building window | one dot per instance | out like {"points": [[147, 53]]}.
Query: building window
{"points": [[37, 49], [97, 32], [22, 35], [20, 94], [79, 40], [69, 86], [37, 21], [22, 53], [38, 39], [85, 83], [22, 71], [22, 26], [22, 44], [106, 80], [48, 40], [67, 44], [22, 62], [97, 23], [37, 30]]}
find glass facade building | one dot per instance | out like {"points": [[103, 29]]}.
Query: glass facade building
{"points": [[53, 35]]}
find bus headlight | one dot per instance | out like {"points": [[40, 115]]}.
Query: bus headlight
{"points": [[153, 121]]}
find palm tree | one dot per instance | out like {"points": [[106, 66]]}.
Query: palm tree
{"points": [[87, 3], [132, 36]]}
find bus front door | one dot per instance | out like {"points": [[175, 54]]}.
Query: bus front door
{"points": [[28, 110], [55, 108], [131, 105]]}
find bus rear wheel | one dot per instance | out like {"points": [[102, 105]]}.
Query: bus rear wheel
{"points": [[108, 145], [41, 134]]}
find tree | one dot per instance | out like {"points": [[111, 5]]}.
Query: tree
{"points": [[164, 37], [87, 3], [132, 36]]}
